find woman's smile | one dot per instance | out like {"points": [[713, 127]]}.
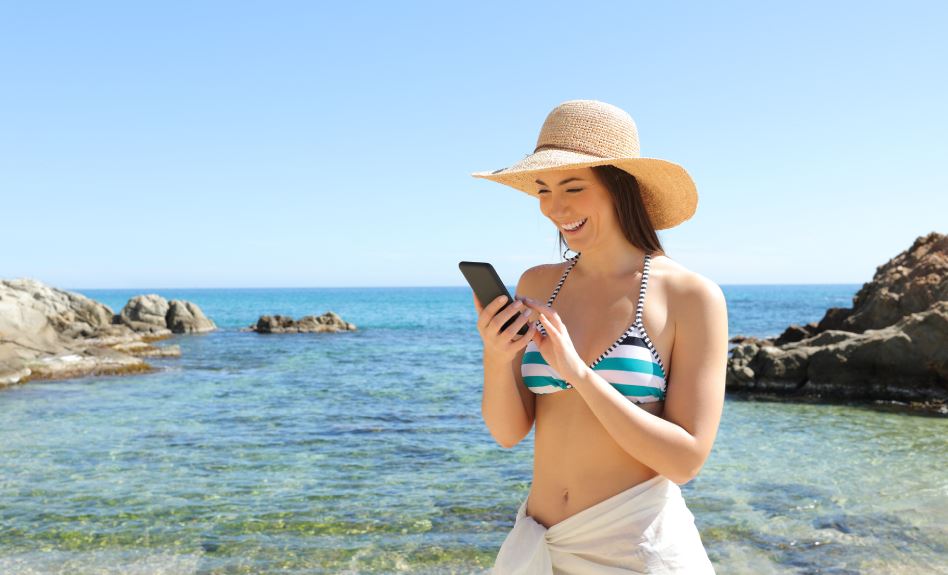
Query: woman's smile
{"points": [[572, 228]]}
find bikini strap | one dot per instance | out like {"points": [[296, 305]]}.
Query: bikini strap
{"points": [[638, 314], [556, 290], [640, 306]]}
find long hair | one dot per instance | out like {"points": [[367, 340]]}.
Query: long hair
{"points": [[633, 219]]}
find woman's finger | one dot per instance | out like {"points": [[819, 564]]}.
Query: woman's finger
{"points": [[535, 334], [521, 340], [515, 325], [548, 312], [490, 311], [503, 315], [554, 317], [548, 325]]}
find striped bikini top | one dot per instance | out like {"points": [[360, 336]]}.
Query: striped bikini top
{"points": [[631, 364]]}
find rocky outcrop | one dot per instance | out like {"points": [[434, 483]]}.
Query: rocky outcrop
{"points": [[145, 313], [911, 282], [48, 333], [891, 345], [186, 317], [155, 315], [328, 322]]}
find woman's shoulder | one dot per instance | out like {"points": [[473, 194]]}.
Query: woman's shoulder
{"points": [[537, 280], [686, 290], [547, 269]]}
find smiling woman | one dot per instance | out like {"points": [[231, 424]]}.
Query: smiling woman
{"points": [[626, 200], [616, 433]]}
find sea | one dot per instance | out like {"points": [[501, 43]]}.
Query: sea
{"points": [[365, 452]]}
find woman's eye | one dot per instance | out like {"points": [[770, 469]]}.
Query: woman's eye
{"points": [[569, 190]]}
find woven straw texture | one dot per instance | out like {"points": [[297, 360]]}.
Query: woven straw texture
{"points": [[585, 133]]}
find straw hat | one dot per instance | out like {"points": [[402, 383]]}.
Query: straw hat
{"points": [[580, 133]]}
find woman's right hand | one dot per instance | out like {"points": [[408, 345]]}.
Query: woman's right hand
{"points": [[503, 344]]}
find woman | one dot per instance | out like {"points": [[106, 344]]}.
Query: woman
{"points": [[616, 433]]}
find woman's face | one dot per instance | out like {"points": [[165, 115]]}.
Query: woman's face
{"points": [[574, 195]]}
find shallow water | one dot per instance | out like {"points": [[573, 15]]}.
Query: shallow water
{"points": [[365, 452]]}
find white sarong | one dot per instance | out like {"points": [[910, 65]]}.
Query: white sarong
{"points": [[644, 529]]}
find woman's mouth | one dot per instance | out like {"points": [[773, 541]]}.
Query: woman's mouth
{"points": [[572, 228]]}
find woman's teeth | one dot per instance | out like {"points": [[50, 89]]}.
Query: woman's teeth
{"points": [[575, 229]]}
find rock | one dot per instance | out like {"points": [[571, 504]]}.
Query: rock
{"points": [[39, 318], [186, 317], [143, 349], [154, 315], [892, 345], [145, 313], [796, 333], [47, 333], [92, 361], [910, 282], [273, 324], [328, 322], [749, 339], [10, 375]]}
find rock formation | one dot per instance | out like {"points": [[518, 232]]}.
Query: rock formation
{"points": [[891, 345], [154, 314], [48, 333], [329, 321]]}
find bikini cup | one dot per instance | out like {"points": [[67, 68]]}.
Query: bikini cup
{"points": [[631, 364]]}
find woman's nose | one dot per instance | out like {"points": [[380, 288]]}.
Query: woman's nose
{"points": [[556, 205]]}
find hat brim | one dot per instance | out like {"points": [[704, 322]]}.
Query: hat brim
{"points": [[668, 192]]}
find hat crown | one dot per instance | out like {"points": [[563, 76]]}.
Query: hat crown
{"points": [[590, 127]]}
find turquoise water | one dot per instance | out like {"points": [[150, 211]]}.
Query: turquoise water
{"points": [[365, 452]]}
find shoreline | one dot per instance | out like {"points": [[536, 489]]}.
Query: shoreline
{"points": [[933, 408]]}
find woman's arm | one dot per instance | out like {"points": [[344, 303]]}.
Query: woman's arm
{"points": [[507, 411], [677, 445], [507, 406]]}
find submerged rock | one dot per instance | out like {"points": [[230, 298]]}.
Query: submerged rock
{"points": [[891, 345], [49, 333], [328, 322]]}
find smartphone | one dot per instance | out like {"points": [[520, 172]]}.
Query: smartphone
{"points": [[487, 287]]}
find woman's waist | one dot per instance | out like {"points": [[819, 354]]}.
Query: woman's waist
{"points": [[572, 471], [577, 482], [554, 498]]}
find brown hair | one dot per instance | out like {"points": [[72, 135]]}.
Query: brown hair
{"points": [[633, 219]]}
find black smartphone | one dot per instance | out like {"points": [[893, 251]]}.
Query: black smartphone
{"points": [[487, 287]]}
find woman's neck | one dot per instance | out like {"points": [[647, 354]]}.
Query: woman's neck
{"points": [[610, 262]]}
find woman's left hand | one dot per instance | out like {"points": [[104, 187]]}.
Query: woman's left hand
{"points": [[556, 347]]}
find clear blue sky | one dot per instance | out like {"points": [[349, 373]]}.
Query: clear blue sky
{"points": [[225, 144]]}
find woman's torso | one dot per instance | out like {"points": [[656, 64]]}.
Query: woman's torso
{"points": [[577, 463]]}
